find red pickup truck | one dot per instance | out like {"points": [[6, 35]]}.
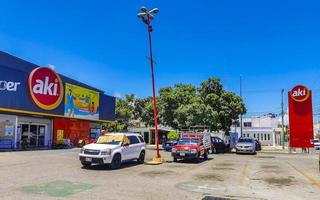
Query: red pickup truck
{"points": [[189, 148]]}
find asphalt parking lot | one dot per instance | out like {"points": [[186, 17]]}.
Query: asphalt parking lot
{"points": [[57, 174]]}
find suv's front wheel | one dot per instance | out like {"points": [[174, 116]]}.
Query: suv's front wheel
{"points": [[141, 157], [116, 162]]}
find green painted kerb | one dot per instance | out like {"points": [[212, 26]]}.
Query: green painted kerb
{"points": [[58, 188]]}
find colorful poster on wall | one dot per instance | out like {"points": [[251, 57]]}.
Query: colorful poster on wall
{"points": [[300, 117], [9, 130], [81, 102], [6, 130]]}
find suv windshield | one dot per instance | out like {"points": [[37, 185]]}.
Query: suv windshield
{"points": [[245, 140], [111, 139], [188, 141]]}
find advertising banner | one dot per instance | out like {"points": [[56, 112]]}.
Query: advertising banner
{"points": [[81, 102], [300, 117], [233, 139]]}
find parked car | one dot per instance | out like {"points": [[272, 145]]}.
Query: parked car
{"points": [[114, 149], [168, 145], [258, 145], [191, 147], [93, 137], [218, 145], [316, 144], [246, 145]]}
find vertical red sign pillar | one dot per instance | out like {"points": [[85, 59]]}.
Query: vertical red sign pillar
{"points": [[300, 117]]}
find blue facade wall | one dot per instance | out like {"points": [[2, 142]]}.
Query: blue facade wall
{"points": [[16, 70]]}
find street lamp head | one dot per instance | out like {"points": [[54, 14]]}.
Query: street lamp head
{"points": [[146, 15], [143, 9], [141, 15], [154, 11], [151, 16]]}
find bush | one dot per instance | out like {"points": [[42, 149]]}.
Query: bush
{"points": [[172, 135]]}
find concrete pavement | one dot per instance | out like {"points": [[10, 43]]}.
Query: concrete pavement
{"points": [[57, 174]]}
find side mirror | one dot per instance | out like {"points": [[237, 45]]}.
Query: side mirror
{"points": [[125, 144]]}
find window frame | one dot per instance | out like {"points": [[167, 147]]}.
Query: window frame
{"points": [[141, 139], [136, 138]]}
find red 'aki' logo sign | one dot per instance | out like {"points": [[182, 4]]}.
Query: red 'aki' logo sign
{"points": [[300, 93], [46, 88]]}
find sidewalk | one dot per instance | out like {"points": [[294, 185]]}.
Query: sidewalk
{"points": [[153, 147], [278, 149], [274, 149], [265, 149]]}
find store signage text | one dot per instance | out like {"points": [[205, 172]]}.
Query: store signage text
{"points": [[45, 87], [9, 86], [300, 93]]}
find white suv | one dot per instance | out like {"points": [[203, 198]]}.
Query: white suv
{"points": [[114, 149]]}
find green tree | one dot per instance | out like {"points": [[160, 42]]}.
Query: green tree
{"points": [[172, 135], [114, 126], [125, 110], [224, 107], [172, 102], [184, 105], [147, 114]]}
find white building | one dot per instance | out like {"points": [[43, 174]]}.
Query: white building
{"points": [[266, 129]]}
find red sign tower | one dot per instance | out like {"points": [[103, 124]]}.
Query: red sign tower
{"points": [[300, 117]]}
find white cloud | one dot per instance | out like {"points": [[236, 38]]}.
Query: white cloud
{"points": [[52, 66], [117, 94]]}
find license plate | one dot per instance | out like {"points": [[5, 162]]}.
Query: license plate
{"points": [[88, 159], [182, 154]]}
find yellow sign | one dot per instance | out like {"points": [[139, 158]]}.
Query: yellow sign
{"points": [[81, 102], [112, 139], [59, 136]]}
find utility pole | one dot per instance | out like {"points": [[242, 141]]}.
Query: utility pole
{"points": [[241, 98], [282, 118]]}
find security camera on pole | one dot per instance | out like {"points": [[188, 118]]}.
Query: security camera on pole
{"points": [[146, 17]]}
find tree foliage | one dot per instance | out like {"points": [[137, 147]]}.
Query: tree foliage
{"points": [[172, 135], [184, 106], [113, 126], [125, 110]]}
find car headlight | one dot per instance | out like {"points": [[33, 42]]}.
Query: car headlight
{"points": [[193, 151], [174, 149], [106, 152], [82, 150]]}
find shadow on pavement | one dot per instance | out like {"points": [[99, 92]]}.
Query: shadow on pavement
{"points": [[190, 161], [106, 167]]}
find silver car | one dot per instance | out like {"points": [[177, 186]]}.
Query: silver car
{"points": [[246, 145]]}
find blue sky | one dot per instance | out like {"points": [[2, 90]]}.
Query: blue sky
{"points": [[273, 44]]}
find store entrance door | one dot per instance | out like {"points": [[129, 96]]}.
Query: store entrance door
{"points": [[33, 134]]}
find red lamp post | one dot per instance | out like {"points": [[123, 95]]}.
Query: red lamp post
{"points": [[146, 17]]}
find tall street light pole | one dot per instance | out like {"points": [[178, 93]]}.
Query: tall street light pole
{"points": [[241, 127], [146, 17], [282, 118]]}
